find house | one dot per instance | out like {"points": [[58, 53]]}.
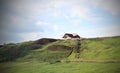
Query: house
{"points": [[71, 36]]}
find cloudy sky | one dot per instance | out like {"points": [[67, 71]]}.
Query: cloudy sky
{"points": [[24, 20]]}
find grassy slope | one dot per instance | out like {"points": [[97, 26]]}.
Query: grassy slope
{"points": [[48, 54], [101, 49], [11, 52]]}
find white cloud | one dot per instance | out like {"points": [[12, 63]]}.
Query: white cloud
{"points": [[80, 11], [55, 27], [59, 3], [113, 6], [66, 16], [76, 22], [31, 7], [86, 13], [18, 21], [109, 30], [96, 19], [31, 36], [41, 23], [56, 14], [113, 30]]}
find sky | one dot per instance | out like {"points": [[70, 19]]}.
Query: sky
{"points": [[25, 20]]}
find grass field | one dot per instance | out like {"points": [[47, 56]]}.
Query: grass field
{"points": [[71, 67]]}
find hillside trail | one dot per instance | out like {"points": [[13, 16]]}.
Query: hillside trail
{"points": [[72, 48], [75, 48]]}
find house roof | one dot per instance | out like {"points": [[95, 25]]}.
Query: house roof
{"points": [[71, 35]]}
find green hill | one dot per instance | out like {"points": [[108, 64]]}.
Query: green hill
{"points": [[62, 50], [97, 55]]}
